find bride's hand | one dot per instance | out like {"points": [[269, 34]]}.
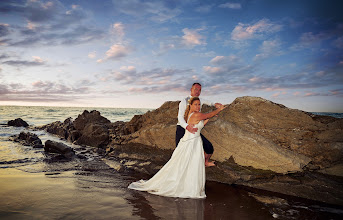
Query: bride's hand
{"points": [[222, 107]]}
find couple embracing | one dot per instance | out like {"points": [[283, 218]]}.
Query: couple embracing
{"points": [[184, 174]]}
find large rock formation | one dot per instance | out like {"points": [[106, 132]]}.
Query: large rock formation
{"points": [[257, 143], [253, 132], [89, 128]]}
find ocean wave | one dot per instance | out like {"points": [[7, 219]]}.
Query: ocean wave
{"points": [[332, 114]]}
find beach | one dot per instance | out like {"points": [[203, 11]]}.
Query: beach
{"points": [[35, 187]]}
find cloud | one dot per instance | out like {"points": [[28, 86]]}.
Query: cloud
{"points": [[226, 68], [4, 29], [213, 70], [252, 31], [158, 77], [117, 51], [49, 23], [311, 94], [269, 48], [42, 91], [242, 77], [310, 39], [335, 92], [37, 61], [231, 5], [338, 43], [31, 26], [154, 81], [225, 60], [157, 11], [117, 30], [203, 8], [92, 54], [126, 74], [4, 56], [172, 87], [192, 38], [49, 87]]}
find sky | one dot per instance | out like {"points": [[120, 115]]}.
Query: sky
{"points": [[141, 53]]}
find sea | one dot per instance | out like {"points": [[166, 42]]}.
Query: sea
{"points": [[32, 187]]}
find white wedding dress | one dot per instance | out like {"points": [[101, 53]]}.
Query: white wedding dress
{"points": [[184, 174]]}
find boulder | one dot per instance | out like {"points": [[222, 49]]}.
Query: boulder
{"points": [[92, 128], [60, 148], [28, 139], [89, 128], [17, 123], [95, 135], [60, 129], [92, 117]]}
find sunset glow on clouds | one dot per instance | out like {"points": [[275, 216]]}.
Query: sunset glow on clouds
{"points": [[134, 53]]}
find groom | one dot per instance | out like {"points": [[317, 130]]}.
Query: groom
{"points": [[182, 124]]}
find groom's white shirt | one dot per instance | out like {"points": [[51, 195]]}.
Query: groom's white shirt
{"points": [[182, 109]]}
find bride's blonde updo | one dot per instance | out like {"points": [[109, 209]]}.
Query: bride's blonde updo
{"points": [[190, 102]]}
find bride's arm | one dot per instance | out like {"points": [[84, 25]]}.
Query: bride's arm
{"points": [[205, 122], [203, 116]]}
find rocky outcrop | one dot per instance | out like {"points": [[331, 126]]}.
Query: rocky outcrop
{"points": [[288, 129], [28, 139], [89, 128], [17, 123], [253, 132], [59, 148], [155, 128], [257, 143]]}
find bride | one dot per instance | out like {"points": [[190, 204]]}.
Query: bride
{"points": [[184, 174]]}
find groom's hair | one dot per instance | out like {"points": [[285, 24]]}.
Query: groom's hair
{"points": [[196, 84]]}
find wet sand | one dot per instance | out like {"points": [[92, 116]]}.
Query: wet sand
{"points": [[28, 193]]}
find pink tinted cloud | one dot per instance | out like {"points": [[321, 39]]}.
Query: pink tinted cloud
{"points": [[247, 31]]}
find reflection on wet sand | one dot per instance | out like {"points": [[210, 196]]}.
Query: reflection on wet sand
{"points": [[150, 206], [222, 202]]}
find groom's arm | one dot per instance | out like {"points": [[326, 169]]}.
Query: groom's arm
{"points": [[181, 113], [181, 119]]}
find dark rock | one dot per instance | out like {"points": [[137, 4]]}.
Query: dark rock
{"points": [[92, 117], [60, 148], [28, 139], [74, 135], [89, 128], [18, 123], [60, 129], [95, 135]]}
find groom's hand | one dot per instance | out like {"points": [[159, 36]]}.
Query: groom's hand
{"points": [[191, 128]]}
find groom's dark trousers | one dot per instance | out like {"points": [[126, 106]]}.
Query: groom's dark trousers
{"points": [[180, 131]]}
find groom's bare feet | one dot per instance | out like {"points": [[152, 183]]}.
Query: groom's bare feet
{"points": [[209, 164]]}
